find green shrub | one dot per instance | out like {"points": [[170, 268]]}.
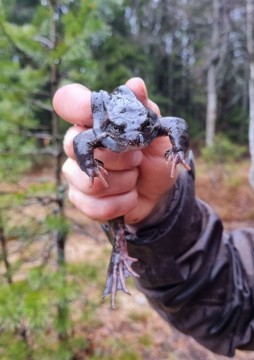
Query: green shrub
{"points": [[222, 151]]}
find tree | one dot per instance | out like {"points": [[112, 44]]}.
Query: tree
{"points": [[211, 114], [218, 53], [250, 46], [169, 35]]}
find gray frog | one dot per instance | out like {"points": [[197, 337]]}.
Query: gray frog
{"points": [[122, 123]]}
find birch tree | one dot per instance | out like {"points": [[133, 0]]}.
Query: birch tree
{"points": [[211, 113], [250, 46], [218, 52]]}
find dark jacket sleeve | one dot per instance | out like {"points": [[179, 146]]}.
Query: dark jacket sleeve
{"points": [[196, 276]]}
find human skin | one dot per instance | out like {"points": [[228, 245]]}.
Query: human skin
{"points": [[138, 180]]}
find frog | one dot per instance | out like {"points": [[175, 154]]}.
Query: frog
{"points": [[121, 122]]}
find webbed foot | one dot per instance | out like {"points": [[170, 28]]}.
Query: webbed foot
{"points": [[119, 269], [176, 157]]}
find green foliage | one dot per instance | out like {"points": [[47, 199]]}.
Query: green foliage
{"points": [[20, 11], [122, 350], [41, 306], [56, 222], [122, 65], [12, 347], [16, 199], [31, 51], [30, 216], [223, 151], [16, 117], [41, 188]]}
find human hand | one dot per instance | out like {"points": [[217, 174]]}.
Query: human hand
{"points": [[138, 180]]}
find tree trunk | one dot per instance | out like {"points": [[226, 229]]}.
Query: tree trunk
{"points": [[61, 234], [211, 112], [3, 242], [250, 46]]}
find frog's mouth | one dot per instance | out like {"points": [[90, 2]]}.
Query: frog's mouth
{"points": [[136, 142], [127, 142]]}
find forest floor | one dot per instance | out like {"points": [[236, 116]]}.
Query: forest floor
{"points": [[134, 330]]}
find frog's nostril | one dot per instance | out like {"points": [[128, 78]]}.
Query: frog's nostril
{"points": [[140, 139]]}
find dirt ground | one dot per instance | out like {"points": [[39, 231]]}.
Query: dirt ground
{"points": [[227, 190]]}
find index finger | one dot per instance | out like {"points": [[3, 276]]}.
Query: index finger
{"points": [[73, 104], [138, 86]]}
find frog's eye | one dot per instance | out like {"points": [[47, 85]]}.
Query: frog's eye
{"points": [[117, 129], [146, 124]]}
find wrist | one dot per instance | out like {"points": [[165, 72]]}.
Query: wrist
{"points": [[155, 216]]}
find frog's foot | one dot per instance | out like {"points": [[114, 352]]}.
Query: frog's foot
{"points": [[119, 269], [176, 157], [97, 170]]}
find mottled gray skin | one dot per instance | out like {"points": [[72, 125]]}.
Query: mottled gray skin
{"points": [[122, 123]]}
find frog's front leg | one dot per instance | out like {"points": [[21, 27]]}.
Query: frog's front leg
{"points": [[177, 131], [84, 145], [120, 262]]}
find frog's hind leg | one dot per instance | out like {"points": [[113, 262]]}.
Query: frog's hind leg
{"points": [[120, 262]]}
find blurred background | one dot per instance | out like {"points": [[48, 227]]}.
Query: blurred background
{"points": [[197, 59]]}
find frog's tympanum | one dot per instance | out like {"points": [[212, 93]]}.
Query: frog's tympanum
{"points": [[122, 123]]}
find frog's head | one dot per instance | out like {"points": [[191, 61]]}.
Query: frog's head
{"points": [[128, 124]]}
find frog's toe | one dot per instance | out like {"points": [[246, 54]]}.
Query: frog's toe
{"points": [[176, 157], [97, 170], [128, 271], [100, 172], [115, 281]]}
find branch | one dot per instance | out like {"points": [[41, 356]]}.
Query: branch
{"points": [[48, 151], [3, 242], [44, 41], [37, 135], [43, 200], [14, 44], [41, 105]]}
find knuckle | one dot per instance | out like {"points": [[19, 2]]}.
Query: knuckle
{"points": [[66, 167], [71, 195]]}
